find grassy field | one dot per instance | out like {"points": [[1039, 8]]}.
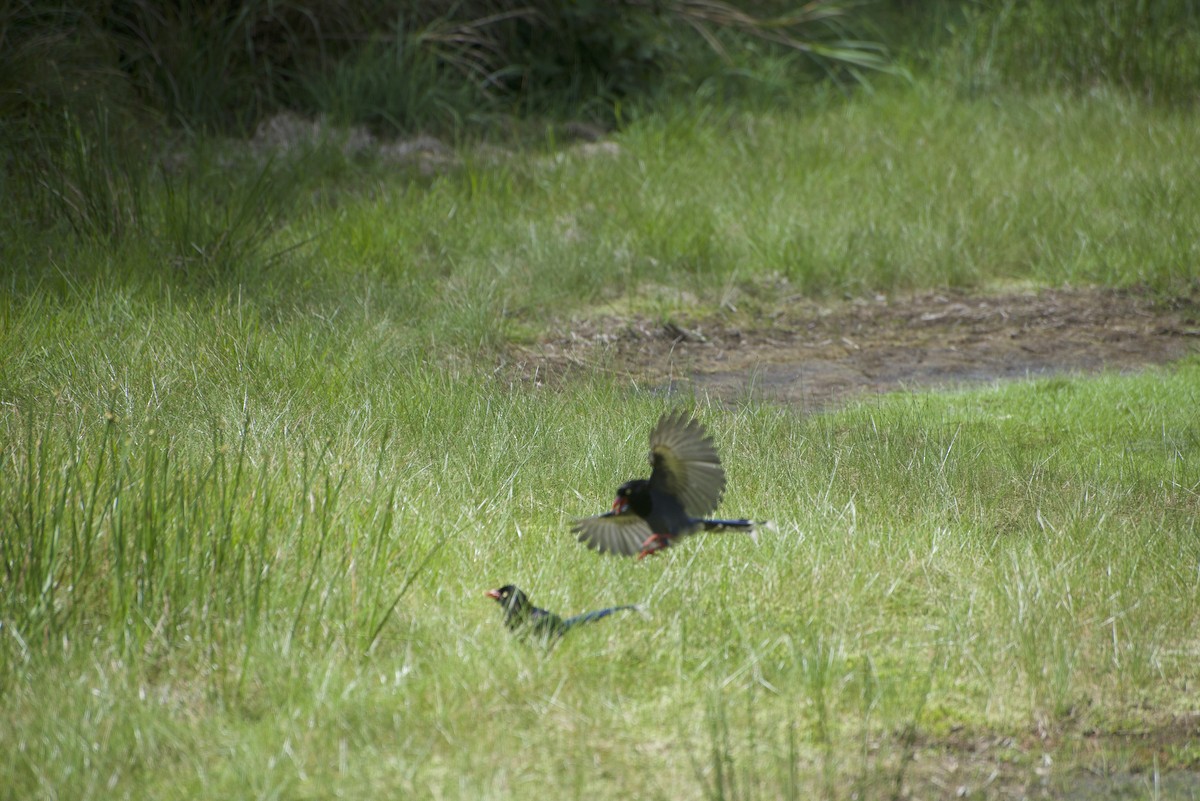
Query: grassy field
{"points": [[207, 611], [260, 465]]}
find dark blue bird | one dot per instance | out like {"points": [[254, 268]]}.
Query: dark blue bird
{"points": [[525, 619], [685, 485]]}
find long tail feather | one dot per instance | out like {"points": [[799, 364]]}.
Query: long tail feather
{"points": [[589, 617], [731, 525], [727, 525]]}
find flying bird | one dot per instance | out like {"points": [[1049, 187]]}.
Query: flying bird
{"points": [[525, 619], [685, 485]]}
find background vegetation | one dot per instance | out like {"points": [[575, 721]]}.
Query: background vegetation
{"points": [[261, 454]]}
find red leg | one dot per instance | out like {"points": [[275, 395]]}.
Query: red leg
{"points": [[653, 544]]}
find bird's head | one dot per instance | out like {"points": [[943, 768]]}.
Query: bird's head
{"points": [[626, 493], [508, 596]]}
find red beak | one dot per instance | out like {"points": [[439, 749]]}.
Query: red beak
{"points": [[619, 505], [493, 594]]}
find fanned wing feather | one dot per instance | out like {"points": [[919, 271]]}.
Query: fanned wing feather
{"points": [[685, 464], [613, 533]]}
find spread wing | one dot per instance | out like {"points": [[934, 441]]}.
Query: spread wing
{"points": [[613, 533], [686, 464]]}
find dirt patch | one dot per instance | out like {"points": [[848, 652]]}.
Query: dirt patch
{"points": [[1069, 764], [816, 355]]}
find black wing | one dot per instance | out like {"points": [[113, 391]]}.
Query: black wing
{"points": [[686, 464], [613, 533]]}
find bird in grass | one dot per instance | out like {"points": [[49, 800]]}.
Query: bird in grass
{"points": [[685, 485], [525, 619]]}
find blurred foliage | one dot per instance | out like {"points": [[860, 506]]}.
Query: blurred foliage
{"points": [[92, 90], [1148, 48], [223, 66]]}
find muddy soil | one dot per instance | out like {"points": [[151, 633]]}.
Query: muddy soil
{"points": [[817, 355]]}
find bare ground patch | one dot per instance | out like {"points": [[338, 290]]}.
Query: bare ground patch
{"points": [[1154, 760], [816, 355]]}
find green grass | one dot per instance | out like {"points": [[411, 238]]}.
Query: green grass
{"points": [[194, 611], [907, 189], [1147, 48], [901, 191]]}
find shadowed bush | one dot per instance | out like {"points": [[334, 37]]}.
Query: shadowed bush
{"points": [[223, 66]]}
